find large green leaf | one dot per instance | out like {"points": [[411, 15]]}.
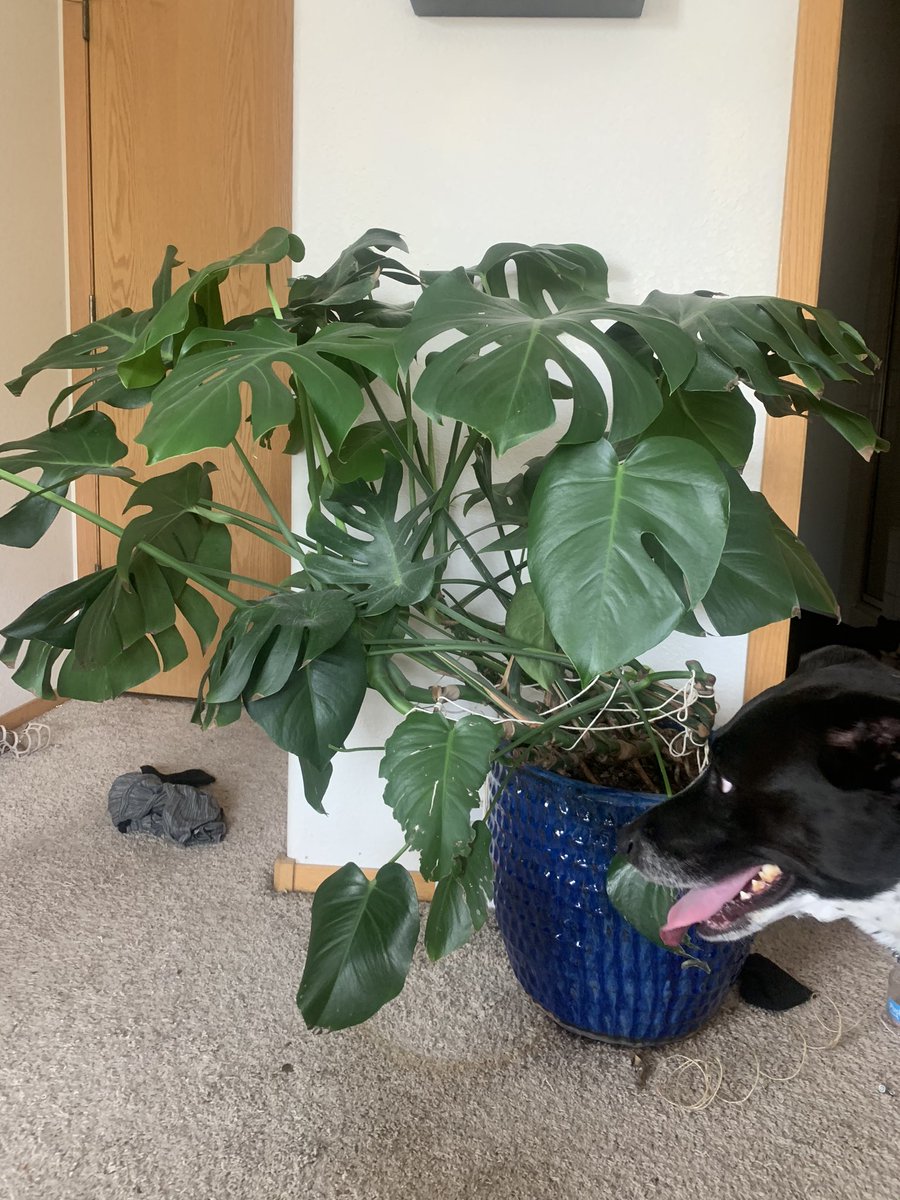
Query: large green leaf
{"points": [[143, 366], [361, 944], [351, 279], [562, 273], [761, 340], [811, 587], [105, 387], [853, 427], [263, 643], [54, 617], [105, 630], [174, 522], [315, 710], [380, 567], [25, 522], [362, 455], [82, 445], [434, 770], [721, 422], [119, 624], [643, 904], [752, 586], [497, 378], [459, 907], [606, 599], [526, 623], [103, 341], [199, 402]]}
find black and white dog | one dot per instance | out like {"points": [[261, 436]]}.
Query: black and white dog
{"points": [[798, 812]]}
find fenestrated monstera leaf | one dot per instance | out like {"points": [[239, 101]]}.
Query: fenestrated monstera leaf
{"points": [[497, 380], [759, 340], [200, 404], [350, 279], [434, 770], [381, 570], [81, 445], [852, 426], [175, 522], [103, 341], [459, 907], [113, 637], [143, 365], [264, 643], [560, 272], [605, 598], [118, 626], [361, 943]]}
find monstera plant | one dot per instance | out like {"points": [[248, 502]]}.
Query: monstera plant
{"points": [[498, 609]]}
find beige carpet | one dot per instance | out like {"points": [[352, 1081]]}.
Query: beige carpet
{"points": [[149, 1043]]}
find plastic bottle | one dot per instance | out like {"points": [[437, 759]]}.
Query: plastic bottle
{"points": [[893, 999]]}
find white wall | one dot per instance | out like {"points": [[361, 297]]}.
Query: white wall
{"points": [[661, 142], [33, 308]]}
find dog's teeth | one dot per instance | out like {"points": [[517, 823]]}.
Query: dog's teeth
{"points": [[769, 872], [745, 895], [758, 886]]}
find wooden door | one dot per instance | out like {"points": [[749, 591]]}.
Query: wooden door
{"points": [[189, 122]]}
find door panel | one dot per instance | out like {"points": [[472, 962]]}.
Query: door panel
{"points": [[190, 104]]}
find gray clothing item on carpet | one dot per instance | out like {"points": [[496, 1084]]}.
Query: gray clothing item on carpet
{"points": [[143, 803]]}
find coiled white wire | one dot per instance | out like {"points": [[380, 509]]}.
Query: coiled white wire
{"points": [[17, 743]]}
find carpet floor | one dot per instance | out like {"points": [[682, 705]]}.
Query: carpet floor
{"points": [[149, 1043]]}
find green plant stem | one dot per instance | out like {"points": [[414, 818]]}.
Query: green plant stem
{"points": [[249, 519], [394, 646], [246, 579], [482, 628], [62, 501], [428, 488], [651, 733], [276, 308], [397, 442], [253, 529], [263, 493]]}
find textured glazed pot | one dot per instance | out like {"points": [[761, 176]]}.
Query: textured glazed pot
{"points": [[553, 840]]}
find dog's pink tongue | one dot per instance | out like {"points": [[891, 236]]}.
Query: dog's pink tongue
{"points": [[701, 903]]}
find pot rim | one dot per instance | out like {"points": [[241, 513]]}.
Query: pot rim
{"points": [[615, 797]]}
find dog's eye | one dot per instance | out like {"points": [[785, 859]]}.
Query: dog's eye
{"points": [[725, 784]]}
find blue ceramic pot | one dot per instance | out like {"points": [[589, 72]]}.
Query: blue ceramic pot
{"points": [[553, 840]]}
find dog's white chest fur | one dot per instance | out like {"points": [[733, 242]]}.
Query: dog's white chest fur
{"points": [[879, 916]]}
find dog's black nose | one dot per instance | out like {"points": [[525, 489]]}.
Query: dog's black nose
{"points": [[628, 839]]}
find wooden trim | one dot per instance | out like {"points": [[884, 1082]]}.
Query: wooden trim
{"points": [[77, 117], [29, 711], [802, 234], [291, 876]]}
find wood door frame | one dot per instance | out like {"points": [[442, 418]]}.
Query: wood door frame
{"points": [[802, 234], [79, 231]]}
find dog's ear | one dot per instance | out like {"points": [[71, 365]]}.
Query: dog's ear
{"points": [[831, 656], [864, 754]]}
